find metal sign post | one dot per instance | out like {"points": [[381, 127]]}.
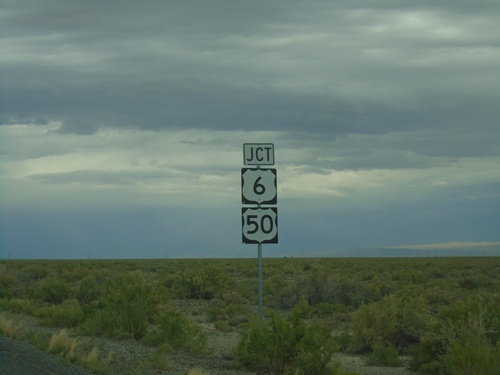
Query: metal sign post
{"points": [[259, 186], [259, 251]]}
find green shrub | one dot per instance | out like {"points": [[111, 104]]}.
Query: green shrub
{"points": [[88, 290], [287, 346], [231, 308], [104, 321], [158, 359], [205, 283], [343, 340], [384, 355], [127, 307], [178, 332], [426, 357], [318, 287], [34, 272], [468, 350], [53, 290], [288, 296], [23, 306], [68, 314], [223, 326], [465, 340], [396, 320], [215, 310], [321, 286], [475, 282], [347, 291], [7, 281], [477, 305], [315, 351], [326, 309]]}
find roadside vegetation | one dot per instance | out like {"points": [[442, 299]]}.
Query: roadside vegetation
{"points": [[432, 315]]}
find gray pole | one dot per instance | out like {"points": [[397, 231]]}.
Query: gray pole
{"points": [[260, 283], [259, 249]]}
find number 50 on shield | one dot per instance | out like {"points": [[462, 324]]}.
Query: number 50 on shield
{"points": [[260, 225]]}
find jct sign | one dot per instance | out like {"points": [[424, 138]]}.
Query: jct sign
{"points": [[258, 154]]}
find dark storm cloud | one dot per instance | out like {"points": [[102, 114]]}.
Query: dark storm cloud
{"points": [[318, 67], [92, 177]]}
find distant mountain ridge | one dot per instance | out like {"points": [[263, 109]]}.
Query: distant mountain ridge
{"points": [[451, 249]]}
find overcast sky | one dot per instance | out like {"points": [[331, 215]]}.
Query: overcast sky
{"points": [[123, 123]]}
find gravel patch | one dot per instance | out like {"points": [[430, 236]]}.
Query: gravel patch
{"points": [[357, 364]]}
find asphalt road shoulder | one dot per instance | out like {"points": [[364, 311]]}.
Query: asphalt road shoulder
{"points": [[22, 358]]}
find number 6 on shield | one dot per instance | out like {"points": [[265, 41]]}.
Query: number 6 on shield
{"points": [[258, 186]]}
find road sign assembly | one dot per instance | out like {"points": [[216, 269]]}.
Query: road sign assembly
{"points": [[259, 186]]}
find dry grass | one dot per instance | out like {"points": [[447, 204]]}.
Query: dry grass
{"points": [[92, 361], [93, 356], [61, 343], [196, 371], [9, 329]]}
